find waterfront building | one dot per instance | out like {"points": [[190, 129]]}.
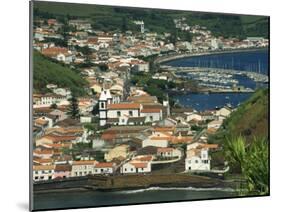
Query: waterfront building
{"points": [[104, 168], [43, 172], [139, 164], [62, 171], [83, 168]]}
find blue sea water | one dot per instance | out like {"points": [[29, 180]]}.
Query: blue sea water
{"points": [[244, 61], [70, 199]]}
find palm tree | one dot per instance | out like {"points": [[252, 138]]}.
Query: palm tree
{"points": [[252, 160]]}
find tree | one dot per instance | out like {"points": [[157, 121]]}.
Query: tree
{"points": [[73, 109], [54, 106], [252, 161], [124, 26]]}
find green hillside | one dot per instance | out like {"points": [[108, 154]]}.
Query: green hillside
{"points": [[114, 18], [47, 71], [250, 120]]}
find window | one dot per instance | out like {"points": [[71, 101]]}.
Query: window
{"points": [[50, 177], [102, 105], [196, 161], [36, 178], [131, 113], [189, 161], [151, 118], [80, 173], [132, 169], [118, 113], [189, 168], [125, 169], [36, 172]]}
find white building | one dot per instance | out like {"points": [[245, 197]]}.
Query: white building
{"points": [[157, 139], [125, 113], [43, 172], [167, 152], [83, 168], [197, 156], [104, 100], [139, 164], [152, 114], [104, 168], [48, 99], [225, 112]]}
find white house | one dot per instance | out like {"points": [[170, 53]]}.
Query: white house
{"points": [[83, 168], [197, 156], [104, 168], [43, 172], [167, 152], [139, 164], [157, 139], [225, 111], [151, 114], [47, 100], [136, 167], [197, 160]]}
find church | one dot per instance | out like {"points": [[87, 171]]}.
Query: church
{"points": [[114, 112]]}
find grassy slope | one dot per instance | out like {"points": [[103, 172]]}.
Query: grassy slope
{"points": [[251, 118], [110, 18], [47, 71]]}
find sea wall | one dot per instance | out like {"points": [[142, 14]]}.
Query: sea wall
{"points": [[128, 182]]}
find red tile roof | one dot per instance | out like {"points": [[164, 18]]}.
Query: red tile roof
{"points": [[123, 106], [104, 165], [139, 165], [151, 110]]}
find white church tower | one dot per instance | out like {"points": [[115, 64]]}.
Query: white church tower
{"points": [[104, 100]]}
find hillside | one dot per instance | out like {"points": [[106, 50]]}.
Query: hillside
{"points": [[250, 119], [47, 71], [112, 18]]}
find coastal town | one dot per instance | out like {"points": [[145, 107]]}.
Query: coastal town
{"points": [[120, 126]]}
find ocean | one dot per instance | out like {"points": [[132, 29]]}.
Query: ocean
{"points": [[70, 199]]}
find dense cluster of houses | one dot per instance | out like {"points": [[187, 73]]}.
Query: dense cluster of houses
{"points": [[139, 134], [135, 131]]}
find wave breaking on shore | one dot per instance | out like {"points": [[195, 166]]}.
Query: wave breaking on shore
{"points": [[176, 188]]}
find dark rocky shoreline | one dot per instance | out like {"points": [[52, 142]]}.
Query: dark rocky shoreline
{"points": [[130, 182]]}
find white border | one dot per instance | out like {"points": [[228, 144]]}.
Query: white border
{"points": [[15, 90]]}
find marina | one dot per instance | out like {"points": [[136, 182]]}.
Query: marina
{"points": [[225, 79]]}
